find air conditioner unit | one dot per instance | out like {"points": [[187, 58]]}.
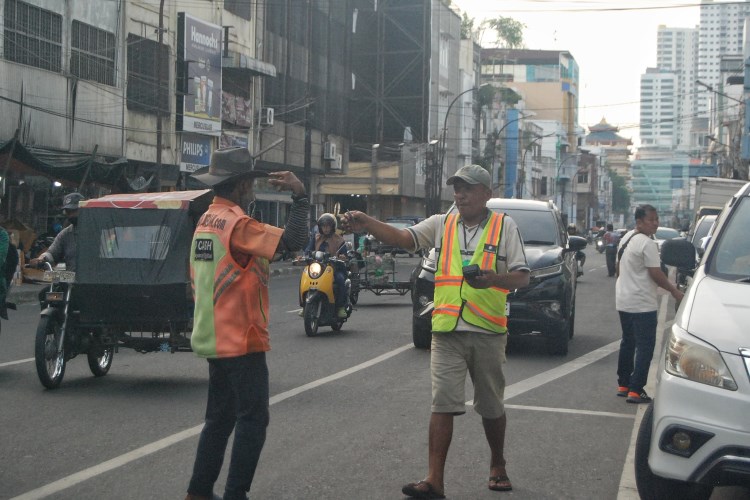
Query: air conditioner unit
{"points": [[329, 151], [337, 165], [266, 117]]}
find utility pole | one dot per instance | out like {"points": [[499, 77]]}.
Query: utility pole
{"points": [[158, 67]]}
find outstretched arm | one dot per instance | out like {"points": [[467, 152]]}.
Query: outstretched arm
{"points": [[356, 222]]}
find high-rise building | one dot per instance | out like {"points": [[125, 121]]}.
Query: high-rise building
{"points": [[721, 33], [677, 51], [658, 108]]}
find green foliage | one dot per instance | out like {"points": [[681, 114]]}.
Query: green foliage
{"points": [[467, 27], [620, 193], [509, 31]]}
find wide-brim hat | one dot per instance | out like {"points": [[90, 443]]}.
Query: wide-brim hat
{"points": [[228, 164]]}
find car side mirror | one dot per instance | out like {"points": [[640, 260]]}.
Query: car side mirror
{"points": [[576, 243], [678, 253]]}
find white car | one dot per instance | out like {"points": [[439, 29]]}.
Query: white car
{"points": [[696, 433]]}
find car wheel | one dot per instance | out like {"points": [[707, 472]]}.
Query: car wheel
{"points": [[652, 487], [421, 333]]}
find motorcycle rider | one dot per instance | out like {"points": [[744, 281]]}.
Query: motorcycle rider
{"points": [[64, 247], [329, 241], [611, 239]]}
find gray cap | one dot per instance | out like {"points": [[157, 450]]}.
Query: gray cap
{"points": [[473, 174], [71, 200]]}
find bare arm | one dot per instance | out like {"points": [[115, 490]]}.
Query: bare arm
{"points": [[656, 274], [358, 222], [508, 281]]}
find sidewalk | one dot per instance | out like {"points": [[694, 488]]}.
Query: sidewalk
{"points": [[28, 293]]}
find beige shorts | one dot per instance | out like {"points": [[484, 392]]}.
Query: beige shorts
{"points": [[483, 356]]}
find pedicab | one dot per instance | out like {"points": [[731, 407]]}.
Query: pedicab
{"points": [[132, 285]]}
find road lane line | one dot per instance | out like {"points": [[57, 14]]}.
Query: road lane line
{"points": [[553, 374], [143, 451], [511, 391], [17, 362], [572, 410]]}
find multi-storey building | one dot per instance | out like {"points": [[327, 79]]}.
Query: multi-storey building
{"points": [[548, 82], [721, 33], [658, 107], [677, 51]]}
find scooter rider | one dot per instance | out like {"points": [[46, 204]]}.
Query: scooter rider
{"points": [[329, 241], [64, 247], [580, 256]]}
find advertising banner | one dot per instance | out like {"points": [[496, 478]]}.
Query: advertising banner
{"points": [[202, 45], [195, 152]]}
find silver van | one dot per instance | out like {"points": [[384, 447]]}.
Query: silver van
{"points": [[696, 433]]}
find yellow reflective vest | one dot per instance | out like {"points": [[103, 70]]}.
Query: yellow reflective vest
{"points": [[454, 298]]}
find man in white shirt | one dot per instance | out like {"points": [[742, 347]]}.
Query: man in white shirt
{"points": [[639, 275]]}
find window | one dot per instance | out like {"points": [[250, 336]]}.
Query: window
{"points": [[32, 36], [583, 178], [92, 53], [147, 65], [135, 242]]}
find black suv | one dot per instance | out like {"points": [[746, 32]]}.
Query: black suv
{"points": [[547, 307]]}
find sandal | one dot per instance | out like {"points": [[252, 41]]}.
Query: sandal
{"points": [[500, 483], [412, 490]]}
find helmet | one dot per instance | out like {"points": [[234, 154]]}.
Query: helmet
{"points": [[327, 219], [71, 200]]}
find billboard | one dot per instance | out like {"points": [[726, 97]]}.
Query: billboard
{"points": [[201, 45]]}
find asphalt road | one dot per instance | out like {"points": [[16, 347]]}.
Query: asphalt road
{"points": [[349, 412]]}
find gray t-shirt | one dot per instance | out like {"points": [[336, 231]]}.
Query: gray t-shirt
{"points": [[510, 255], [63, 249]]}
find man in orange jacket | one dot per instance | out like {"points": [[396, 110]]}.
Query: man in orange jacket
{"points": [[229, 267]]}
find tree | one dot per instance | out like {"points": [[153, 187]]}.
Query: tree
{"points": [[467, 27], [620, 194], [509, 31]]}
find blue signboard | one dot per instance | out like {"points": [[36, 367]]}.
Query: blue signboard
{"points": [[195, 152]]}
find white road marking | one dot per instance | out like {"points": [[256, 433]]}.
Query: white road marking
{"points": [[572, 410], [17, 362], [511, 391], [295, 311]]}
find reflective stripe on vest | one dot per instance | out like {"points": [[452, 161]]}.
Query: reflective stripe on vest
{"points": [[484, 308], [231, 302]]}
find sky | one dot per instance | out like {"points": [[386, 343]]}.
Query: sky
{"points": [[613, 42]]}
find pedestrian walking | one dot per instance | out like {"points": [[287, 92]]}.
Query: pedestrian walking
{"points": [[611, 239], [229, 267], [639, 275], [481, 258]]}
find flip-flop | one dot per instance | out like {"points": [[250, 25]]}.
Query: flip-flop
{"points": [[412, 490], [501, 483]]}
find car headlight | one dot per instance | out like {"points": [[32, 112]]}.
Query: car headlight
{"points": [[694, 360], [545, 272], [315, 270]]}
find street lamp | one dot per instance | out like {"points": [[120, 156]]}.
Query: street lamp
{"points": [[443, 146], [557, 179]]}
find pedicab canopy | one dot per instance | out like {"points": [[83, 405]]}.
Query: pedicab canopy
{"points": [[135, 249]]}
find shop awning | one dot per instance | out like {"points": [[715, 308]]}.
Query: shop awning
{"points": [[63, 165], [237, 61]]}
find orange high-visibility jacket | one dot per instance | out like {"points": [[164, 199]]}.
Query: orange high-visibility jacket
{"points": [[231, 302]]}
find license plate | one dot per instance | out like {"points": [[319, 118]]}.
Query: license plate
{"points": [[54, 296], [59, 276]]}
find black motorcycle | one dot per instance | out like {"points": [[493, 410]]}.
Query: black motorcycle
{"points": [[58, 336]]}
